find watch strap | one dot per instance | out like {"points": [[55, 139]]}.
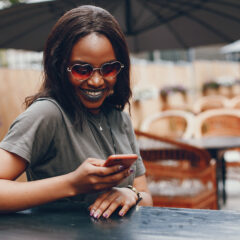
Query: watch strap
{"points": [[137, 193]]}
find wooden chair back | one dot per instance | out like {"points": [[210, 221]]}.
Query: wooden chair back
{"points": [[217, 122], [210, 102], [170, 123], [235, 102], [221, 122], [186, 165], [174, 98]]}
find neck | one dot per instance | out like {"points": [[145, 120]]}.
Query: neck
{"points": [[95, 111]]}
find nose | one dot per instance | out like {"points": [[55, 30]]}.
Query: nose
{"points": [[96, 80]]}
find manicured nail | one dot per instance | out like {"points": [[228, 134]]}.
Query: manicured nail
{"points": [[130, 171], [105, 215], [95, 215], [121, 213], [91, 213], [121, 167]]}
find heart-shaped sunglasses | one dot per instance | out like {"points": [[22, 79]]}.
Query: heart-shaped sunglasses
{"points": [[83, 72]]}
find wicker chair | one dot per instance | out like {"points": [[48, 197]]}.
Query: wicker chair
{"points": [[210, 102], [217, 122], [187, 182], [170, 123], [235, 102], [222, 122]]}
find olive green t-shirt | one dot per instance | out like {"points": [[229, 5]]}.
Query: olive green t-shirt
{"points": [[45, 136]]}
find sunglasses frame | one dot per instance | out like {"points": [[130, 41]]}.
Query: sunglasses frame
{"points": [[69, 69]]}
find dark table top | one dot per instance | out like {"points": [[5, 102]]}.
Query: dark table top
{"points": [[72, 221]]}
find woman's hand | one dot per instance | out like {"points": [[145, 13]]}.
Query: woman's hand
{"points": [[91, 176], [109, 201]]}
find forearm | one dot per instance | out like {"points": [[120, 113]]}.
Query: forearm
{"points": [[15, 196], [90, 176], [146, 199], [140, 183]]}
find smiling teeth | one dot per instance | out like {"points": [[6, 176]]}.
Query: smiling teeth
{"points": [[93, 93]]}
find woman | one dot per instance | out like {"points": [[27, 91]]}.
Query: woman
{"points": [[75, 122]]}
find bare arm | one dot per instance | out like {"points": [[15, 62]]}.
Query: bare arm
{"points": [[140, 183], [15, 196], [125, 198]]}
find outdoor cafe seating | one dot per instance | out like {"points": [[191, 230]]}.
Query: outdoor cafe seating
{"points": [[222, 122], [204, 103], [178, 176], [170, 123], [174, 97], [207, 130], [217, 122], [235, 102]]}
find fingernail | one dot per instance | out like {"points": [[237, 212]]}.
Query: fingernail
{"points": [[105, 215], [121, 213], [95, 215], [130, 171], [91, 213], [121, 167]]}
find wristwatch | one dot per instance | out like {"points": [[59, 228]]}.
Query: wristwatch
{"points": [[136, 191]]}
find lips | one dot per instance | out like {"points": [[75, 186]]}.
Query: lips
{"points": [[92, 95]]}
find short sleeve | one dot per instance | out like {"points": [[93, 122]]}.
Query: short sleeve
{"points": [[32, 133]]}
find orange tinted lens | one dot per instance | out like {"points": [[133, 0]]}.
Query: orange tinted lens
{"points": [[82, 72], [110, 69]]}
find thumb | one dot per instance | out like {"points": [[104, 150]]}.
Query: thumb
{"points": [[96, 162]]}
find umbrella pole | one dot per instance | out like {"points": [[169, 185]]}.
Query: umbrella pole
{"points": [[193, 83]]}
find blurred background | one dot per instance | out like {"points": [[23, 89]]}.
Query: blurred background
{"points": [[181, 51]]}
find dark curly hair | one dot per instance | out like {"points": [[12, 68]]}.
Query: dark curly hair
{"points": [[72, 26]]}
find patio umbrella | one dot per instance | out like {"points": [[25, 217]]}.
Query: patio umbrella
{"points": [[148, 24]]}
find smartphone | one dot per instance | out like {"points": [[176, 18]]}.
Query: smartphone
{"points": [[125, 160]]}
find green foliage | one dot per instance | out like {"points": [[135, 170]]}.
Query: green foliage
{"points": [[10, 1], [14, 1]]}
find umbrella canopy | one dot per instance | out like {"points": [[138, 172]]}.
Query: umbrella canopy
{"points": [[148, 24]]}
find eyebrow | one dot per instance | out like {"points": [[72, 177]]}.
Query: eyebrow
{"points": [[82, 62], [78, 62]]}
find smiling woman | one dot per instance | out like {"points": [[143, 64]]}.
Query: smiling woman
{"points": [[75, 122], [92, 87]]}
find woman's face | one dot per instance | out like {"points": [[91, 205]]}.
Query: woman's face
{"points": [[93, 49]]}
